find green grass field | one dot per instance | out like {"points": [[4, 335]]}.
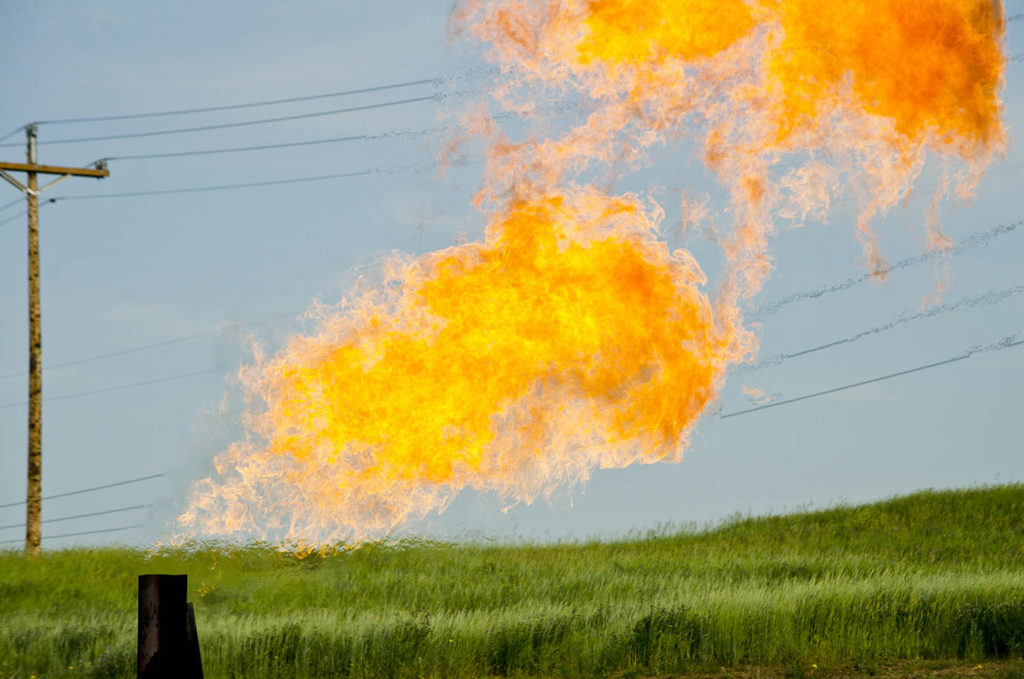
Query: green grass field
{"points": [[924, 582]]}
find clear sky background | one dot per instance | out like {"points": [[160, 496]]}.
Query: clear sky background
{"points": [[196, 272]]}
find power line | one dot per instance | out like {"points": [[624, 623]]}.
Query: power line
{"points": [[112, 354], [229, 107], [264, 147], [969, 243], [90, 489], [11, 204], [13, 217], [136, 349], [975, 240], [71, 535], [245, 123], [989, 298], [223, 187], [1001, 345], [997, 295], [120, 387], [395, 169], [25, 212], [1005, 343], [13, 132], [81, 516], [239, 149]]}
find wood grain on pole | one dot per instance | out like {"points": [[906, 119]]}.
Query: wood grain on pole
{"points": [[34, 499]]}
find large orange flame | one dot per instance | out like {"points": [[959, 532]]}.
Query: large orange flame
{"points": [[570, 338]]}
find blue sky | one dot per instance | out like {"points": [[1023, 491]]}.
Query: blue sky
{"points": [[120, 273]]}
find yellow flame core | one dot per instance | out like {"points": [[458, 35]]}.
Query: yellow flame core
{"points": [[611, 322], [570, 337], [643, 30]]}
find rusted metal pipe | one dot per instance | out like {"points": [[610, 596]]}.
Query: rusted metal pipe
{"points": [[168, 644]]}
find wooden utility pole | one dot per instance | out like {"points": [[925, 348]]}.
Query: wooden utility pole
{"points": [[34, 499]]}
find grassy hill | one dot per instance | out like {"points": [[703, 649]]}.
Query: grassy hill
{"points": [[936, 576]]}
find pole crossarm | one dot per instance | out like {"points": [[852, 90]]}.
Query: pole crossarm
{"points": [[98, 172], [14, 182]]}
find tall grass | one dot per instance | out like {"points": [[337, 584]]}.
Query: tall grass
{"points": [[934, 575]]}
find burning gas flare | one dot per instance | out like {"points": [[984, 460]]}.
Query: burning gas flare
{"points": [[570, 338]]}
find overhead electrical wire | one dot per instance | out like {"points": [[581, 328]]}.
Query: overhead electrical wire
{"points": [[394, 169], [49, 367], [111, 354], [243, 123], [209, 371], [465, 74], [25, 212], [239, 149], [12, 133], [119, 387], [975, 240], [989, 298], [81, 491], [1005, 343], [72, 535], [13, 217], [80, 516], [265, 147], [223, 187], [11, 204], [375, 136], [230, 107]]}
